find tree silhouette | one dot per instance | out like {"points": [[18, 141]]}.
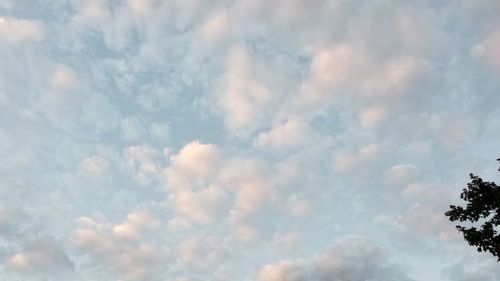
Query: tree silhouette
{"points": [[483, 206]]}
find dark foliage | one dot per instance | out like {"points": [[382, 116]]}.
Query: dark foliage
{"points": [[483, 204]]}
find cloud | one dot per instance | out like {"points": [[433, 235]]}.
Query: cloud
{"points": [[64, 78], [135, 222], [29, 251], [143, 161], [201, 251], [289, 135], [245, 99], [400, 174], [17, 30], [40, 255], [94, 165], [331, 71], [160, 132], [259, 129], [251, 182], [425, 221], [121, 250], [141, 8], [133, 128], [194, 165], [216, 27], [202, 206], [205, 185], [472, 268], [372, 117], [423, 218], [351, 259], [92, 13], [487, 50], [350, 161], [394, 77]]}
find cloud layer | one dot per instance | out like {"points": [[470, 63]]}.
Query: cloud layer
{"points": [[243, 140]]}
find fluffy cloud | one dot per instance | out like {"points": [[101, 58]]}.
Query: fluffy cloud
{"points": [[64, 78], [92, 13], [289, 135], [372, 117], [20, 30], [331, 71], [245, 100], [216, 27], [350, 161], [143, 161], [203, 184], [487, 49], [101, 96], [123, 247], [160, 132], [425, 205], [399, 174], [95, 165], [425, 221], [201, 251], [28, 251], [201, 206], [350, 259], [194, 165], [133, 128], [472, 268], [135, 222]]}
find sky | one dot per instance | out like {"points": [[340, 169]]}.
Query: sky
{"points": [[244, 140]]}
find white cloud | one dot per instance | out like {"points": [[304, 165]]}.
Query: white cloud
{"points": [[421, 222], [26, 250], [203, 206], [160, 132], [451, 130], [95, 165], [20, 261], [393, 77], [136, 222], [372, 117], [331, 71], [289, 135], [487, 49], [39, 255], [194, 165], [350, 161], [201, 251], [93, 13], [287, 239], [7, 5], [20, 30], [375, 85], [252, 185], [345, 70], [123, 247], [400, 174], [471, 267], [352, 258], [133, 128], [251, 196], [245, 99], [216, 27], [142, 8], [246, 232], [299, 207], [143, 161], [64, 78]]}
